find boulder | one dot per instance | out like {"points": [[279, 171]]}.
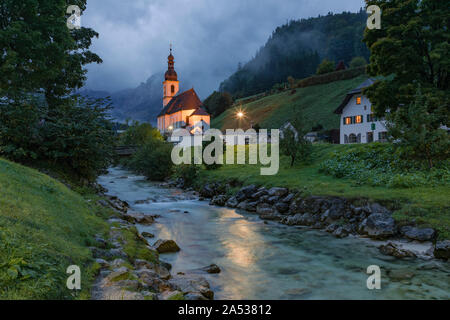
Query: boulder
{"points": [[279, 192], [272, 199], [159, 269], [391, 249], [232, 202], [337, 209], [379, 226], [264, 209], [135, 217], [246, 192], [192, 284], [340, 232], [260, 193], [293, 220], [147, 234], [166, 246], [442, 250], [219, 200], [377, 208], [288, 199], [208, 191], [211, 269], [419, 234], [103, 263], [282, 207]]}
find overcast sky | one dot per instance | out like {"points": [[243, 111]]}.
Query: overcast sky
{"points": [[209, 37]]}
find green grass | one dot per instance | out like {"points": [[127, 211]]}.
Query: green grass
{"points": [[316, 102], [429, 206], [44, 228]]}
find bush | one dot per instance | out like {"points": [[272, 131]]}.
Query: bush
{"points": [[381, 165], [358, 62], [153, 160], [326, 66], [139, 134], [187, 172]]}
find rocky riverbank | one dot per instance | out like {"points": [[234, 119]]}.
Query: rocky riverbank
{"points": [[338, 216], [130, 268]]}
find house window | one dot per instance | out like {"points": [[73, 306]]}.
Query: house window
{"points": [[382, 136], [352, 138], [358, 119], [348, 120], [358, 100]]}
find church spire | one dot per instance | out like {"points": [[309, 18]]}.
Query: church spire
{"points": [[171, 74]]}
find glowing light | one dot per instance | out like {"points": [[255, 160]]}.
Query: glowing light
{"points": [[170, 128]]}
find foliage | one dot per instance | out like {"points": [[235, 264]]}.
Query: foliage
{"points": [[39, 52], [187, 172], [153, 160], [218, 102], [293, 144], [358, 62], [411, 48], [76, 134], [326, 66], [292, 50], [139, 134], [44, 228], [381, 165], [418, 132]]}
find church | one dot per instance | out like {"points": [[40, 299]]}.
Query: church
{"points": [[184, 110]]}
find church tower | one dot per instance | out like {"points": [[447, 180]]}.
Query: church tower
{"points": [[171, 84]]}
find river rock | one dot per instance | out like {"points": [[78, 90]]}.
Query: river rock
{"points": [[147, 234], [272, 199], [391, 249], [288, 199], [259, 194], [442, 250], [279, 192], [246, 192], [282, 207], [377, 208], [341, 232], [232, 202], [264, 209], [159, 269], [103, 263], [135, 217], [293, 220], [401, 274], [192, 284], [166, 246], [208, 191], [219, 200], [214, 268], [419, 234], [337, 210], [379, 226]]}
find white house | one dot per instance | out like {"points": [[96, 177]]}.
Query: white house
{"points": [[358, 122]]}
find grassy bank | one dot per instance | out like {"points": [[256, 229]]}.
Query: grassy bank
{"points": [[427, 205], [44, 228], [316, 102]]}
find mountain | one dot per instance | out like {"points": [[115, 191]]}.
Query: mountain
{"points": [[297, 48], [142, 103]]}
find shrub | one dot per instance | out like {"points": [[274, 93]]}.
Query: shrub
{"points": [[187, 172], [358, 62], [326, 66], [381, 165], [139, 134], [153, 160]]}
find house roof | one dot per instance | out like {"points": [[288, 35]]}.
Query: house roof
{"points": [[352, 92], [187, 100]]}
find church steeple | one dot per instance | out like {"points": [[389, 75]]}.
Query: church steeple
{"points": [[170, 73], [171, 83]]}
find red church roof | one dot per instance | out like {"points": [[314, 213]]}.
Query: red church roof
{"points": [[187, 100]]}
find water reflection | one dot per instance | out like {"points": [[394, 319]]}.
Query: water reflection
{"points": [[272, 261]]}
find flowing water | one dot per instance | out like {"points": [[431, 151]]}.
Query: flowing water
{"points": [[268, 260]]}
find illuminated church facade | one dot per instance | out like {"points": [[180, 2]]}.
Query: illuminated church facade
{"points": [[184, 110]]}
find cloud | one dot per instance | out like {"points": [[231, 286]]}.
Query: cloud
{"points": [[210, 37]]}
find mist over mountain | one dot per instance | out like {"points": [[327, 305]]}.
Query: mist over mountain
{"points": [[142, 103], [297, 48]]}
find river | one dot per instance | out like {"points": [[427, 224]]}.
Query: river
{"points": [[267, 260]]}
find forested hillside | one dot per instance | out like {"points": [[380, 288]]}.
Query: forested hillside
{"points": [[297, 48]]}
